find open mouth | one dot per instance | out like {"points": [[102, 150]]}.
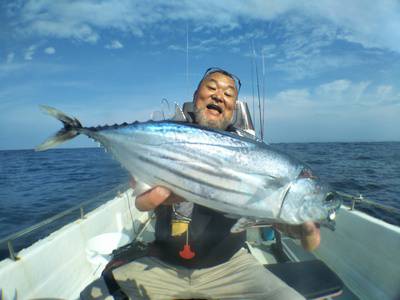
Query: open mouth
{"points": [[215, 107]]}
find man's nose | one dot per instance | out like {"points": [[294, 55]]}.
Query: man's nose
{"points": [[217, 97]]}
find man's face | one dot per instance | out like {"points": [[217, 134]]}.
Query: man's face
{"points": [[215, 101]]}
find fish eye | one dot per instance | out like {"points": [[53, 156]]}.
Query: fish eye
{"points": [[329, 197]]}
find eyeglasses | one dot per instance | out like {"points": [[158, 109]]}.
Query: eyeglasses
{"points": [[219, 70]]}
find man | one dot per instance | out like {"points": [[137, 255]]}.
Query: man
{"points": [[199, 257]]}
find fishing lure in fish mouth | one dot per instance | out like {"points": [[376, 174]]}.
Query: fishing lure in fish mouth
{"points": [[241, 177]]}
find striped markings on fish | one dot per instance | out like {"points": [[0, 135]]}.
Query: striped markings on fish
{"points": [[240, 177]]}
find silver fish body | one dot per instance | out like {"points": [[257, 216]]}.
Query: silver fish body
{"points": [[220, 170]]}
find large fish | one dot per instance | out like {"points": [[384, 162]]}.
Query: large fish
{"points": [[241, 177]]}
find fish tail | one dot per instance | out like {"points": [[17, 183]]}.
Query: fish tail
{"points": [[70, 130]]}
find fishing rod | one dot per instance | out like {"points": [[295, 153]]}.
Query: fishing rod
{"points": [[252, 84], [263, 91], [187, 58], [258, 95]]}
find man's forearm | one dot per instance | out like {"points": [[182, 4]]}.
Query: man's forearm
{"points": [[156, 196], [152, 198]]}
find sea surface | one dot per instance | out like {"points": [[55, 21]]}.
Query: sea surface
{"points": [[37, 185]]}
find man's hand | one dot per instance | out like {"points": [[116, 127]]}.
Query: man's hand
{"points": [[308, 233], [154, 197]]}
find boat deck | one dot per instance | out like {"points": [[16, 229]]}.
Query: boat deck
{"points": [[58, 266], [266, 253]]}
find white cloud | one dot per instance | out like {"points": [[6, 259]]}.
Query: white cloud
{"points": [[387, 95], [115, 44], [32, 67], [370, 23], [306, 66], [29, 52], [50, 50], [341, 90], [334, 111], [10, 58], [298, 37], [176, 48], [62, 29], [295, 97], [337, 96], [231, 42], [11, 68], [335, 88]]}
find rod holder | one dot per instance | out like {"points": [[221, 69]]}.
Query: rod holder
{"points": [[11, 250], [82, 212]]}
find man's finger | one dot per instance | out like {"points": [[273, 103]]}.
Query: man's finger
{"points": [[311, 236], [308, 228]]}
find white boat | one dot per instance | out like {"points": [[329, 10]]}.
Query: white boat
{"points": [[363, 252]]}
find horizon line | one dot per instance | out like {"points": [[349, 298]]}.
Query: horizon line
{"points": [[310, 142]]}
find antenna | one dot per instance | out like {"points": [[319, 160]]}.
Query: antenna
{"points": [[263, 91], [187, 58], [252, 86], [259, 98]]}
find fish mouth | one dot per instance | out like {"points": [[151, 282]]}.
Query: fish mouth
{"points": [[215, 107], [330, 222], [333, 202]]}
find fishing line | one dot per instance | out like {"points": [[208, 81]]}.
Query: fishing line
{"points": [[252, 86], [259, 97], [187, 58], [263, 91], [130, 211]]}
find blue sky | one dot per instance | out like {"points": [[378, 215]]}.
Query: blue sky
{"points": [[332, 68]]}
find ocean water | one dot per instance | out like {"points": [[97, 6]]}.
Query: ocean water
{"points": [[368, 169], [37, 185]]}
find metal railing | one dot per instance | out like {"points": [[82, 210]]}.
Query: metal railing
{"points": [[80, 207], [9, 239], [361, 199]]}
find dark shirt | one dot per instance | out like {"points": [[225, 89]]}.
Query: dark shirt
{"points": [[209, 238]]}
